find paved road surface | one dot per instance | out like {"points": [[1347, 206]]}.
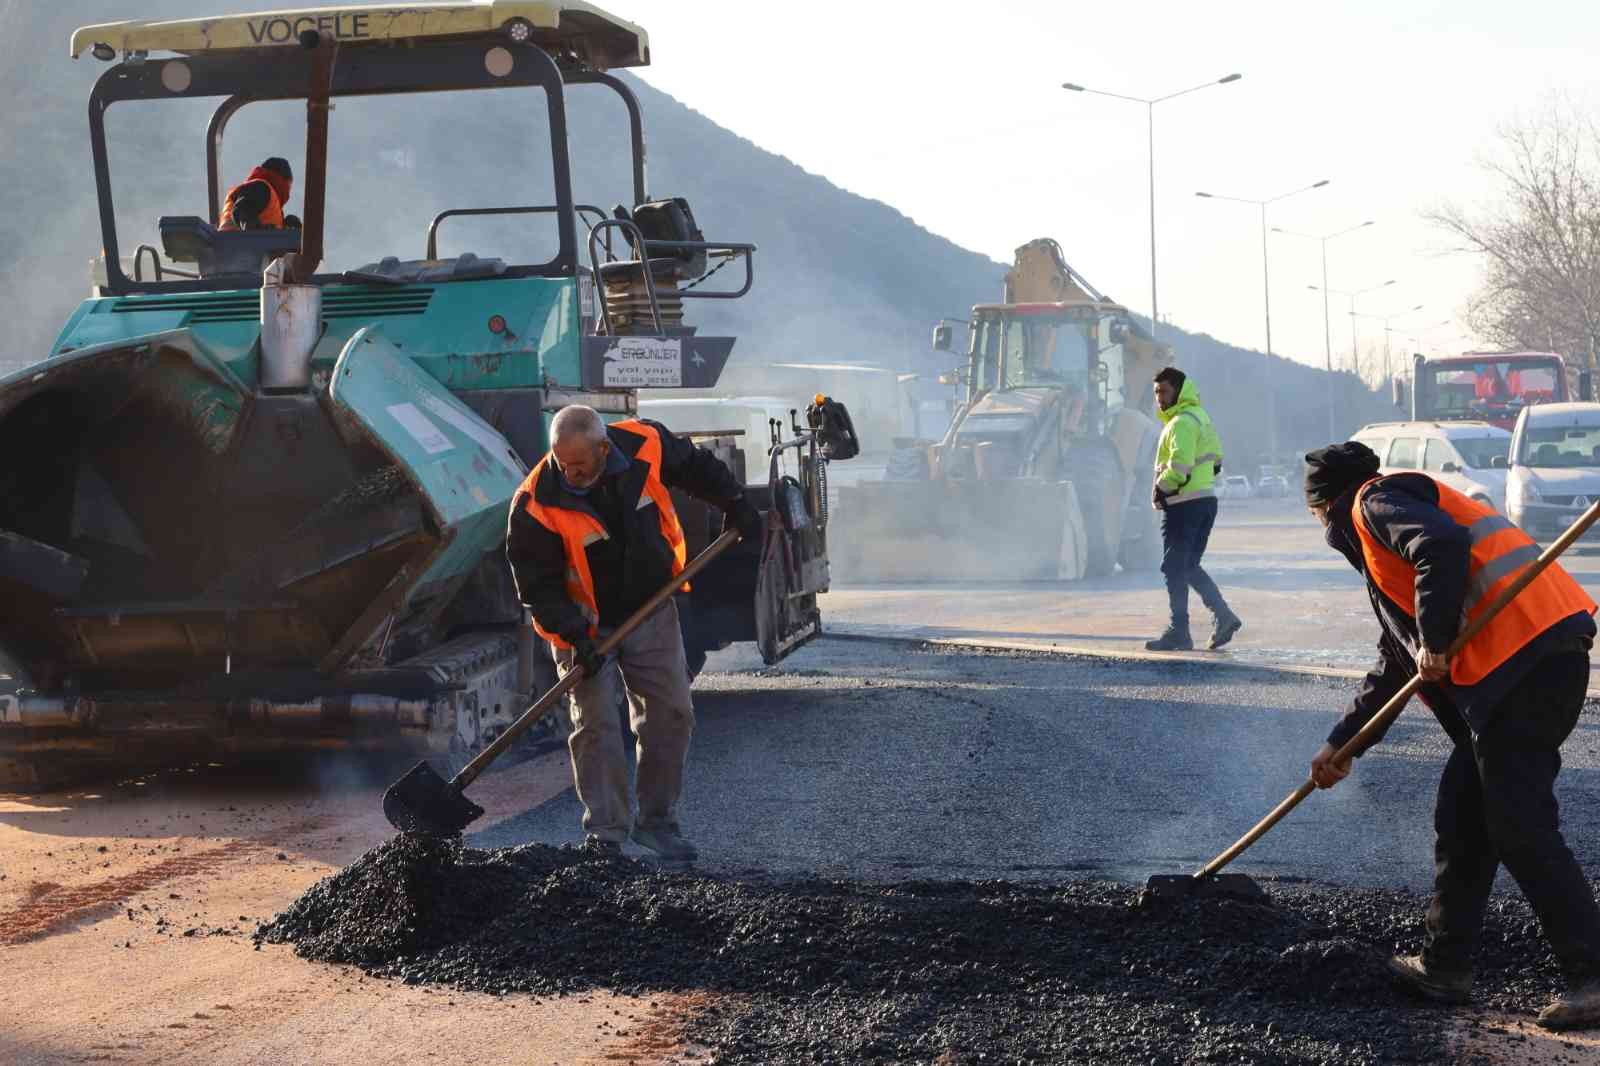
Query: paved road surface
{"points": [[1302, 604], [871, 759]]}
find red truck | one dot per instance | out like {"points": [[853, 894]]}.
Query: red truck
{"points": [[1489, 386]]}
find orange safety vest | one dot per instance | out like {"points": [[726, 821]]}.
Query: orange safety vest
{"points": [[578, 529], [271, 215], [1500, 551]]}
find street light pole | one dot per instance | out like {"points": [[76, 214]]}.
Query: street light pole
{"points": [[1327, 327], [1150, 148], [1355, 354], [1266, 298], [1388, 329]]}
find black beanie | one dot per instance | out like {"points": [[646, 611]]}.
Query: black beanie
{"points": [[278, 165], [1172, 376], [1334, 470]]}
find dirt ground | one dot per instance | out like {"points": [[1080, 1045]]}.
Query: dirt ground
{"points": [[125, 916]]}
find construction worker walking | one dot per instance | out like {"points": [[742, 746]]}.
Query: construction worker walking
{"points": [[1432, 558], [592, 535], [1188, 459]]}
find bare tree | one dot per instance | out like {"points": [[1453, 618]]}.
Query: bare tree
{"points": [[1540, 239]]}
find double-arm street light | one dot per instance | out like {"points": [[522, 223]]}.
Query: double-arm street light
{"points": [[1327, 329], [1150, 138], [1266, 296], [1355, 356], [1387, 330]]}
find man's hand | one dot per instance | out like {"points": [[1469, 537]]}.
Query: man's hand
{"points": [[586, 653], [1324, 771], [1433, 665], [743, 516], [1158, 499]]}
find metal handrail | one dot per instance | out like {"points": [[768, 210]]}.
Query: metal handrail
{"points": [[636, 238], [432, 251]]}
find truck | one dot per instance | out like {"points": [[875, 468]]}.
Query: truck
{"points": [[250, 498], [1043, 472], [1491, 387]]}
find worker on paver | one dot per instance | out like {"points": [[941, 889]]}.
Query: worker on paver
{"points": [[257, 202], [1188, 459], [1433, 557], [592, 536]]}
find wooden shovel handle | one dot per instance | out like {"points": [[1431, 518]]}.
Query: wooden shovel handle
{"points": [[1380, 722], [480, 762]]}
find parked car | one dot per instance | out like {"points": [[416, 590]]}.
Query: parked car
{"points": [[1272, 486], [1234, 487], [1470, 457], [1555, 467]]}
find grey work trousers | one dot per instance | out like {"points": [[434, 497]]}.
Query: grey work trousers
{"points": [[650, 667]]}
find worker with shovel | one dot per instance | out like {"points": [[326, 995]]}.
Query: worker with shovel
{"points": [[592, 535], [1433, 558]]}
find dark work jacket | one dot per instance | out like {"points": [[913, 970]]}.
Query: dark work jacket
{"points": [[1404, 514], [635, 561]]}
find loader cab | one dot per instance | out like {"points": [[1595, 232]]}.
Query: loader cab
{"points": [[1075, 349]]}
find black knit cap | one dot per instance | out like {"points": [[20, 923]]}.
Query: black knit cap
{"points": [[278, 165], [1334, 470], [1171, 375]]}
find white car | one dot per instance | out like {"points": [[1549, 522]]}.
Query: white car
{"points": [[1272, 486], [1470, 457], [1234, 487], [1555, 467]]}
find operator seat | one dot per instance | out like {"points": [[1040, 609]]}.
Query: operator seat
{"points": [[659, 222], [191, 239]]}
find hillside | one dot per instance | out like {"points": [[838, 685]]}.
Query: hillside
{"points": [[838, 276]]}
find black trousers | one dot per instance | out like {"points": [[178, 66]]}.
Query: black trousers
{"points": [[1185, 530], [1497, 806]]}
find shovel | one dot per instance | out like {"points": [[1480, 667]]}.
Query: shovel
{"points": [[424, 802], [1206, 881]]}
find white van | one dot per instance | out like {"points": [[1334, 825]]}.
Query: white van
{"points": [[1470, 457]]}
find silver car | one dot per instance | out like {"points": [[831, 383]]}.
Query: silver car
{"points": [[1555, 467]]}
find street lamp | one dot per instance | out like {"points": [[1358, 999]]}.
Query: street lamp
{"points": [[1266, 296], [1387, 329], [1327, 330], [1150, 138], [1355, 356]]}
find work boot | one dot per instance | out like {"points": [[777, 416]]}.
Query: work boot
{"points": [[607, 849], [1441, 986], [1171, 640], [1577, 1008], [1227, 625], [665, 843]]}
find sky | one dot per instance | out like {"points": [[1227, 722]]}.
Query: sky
{"points": [[954, 114]]}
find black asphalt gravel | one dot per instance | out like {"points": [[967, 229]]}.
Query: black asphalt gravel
{"points": [[945, 972], [926, 857]]}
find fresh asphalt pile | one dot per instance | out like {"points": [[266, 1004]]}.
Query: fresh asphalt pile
{"points": [[948, 972]]}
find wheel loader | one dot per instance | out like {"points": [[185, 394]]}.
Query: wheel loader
{"points": [[250, 498], [1044, 472]]}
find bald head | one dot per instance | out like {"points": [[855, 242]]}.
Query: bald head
{"points": [[579, 444]]}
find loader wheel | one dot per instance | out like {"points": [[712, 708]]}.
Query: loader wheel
{"points": [[906, 464], [1144, 552], [1093, 469]]}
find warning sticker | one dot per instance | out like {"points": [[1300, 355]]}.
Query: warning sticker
{"points": [[644, 363], [423, 431]]}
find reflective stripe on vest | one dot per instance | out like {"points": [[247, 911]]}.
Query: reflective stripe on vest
{"points": [[1500, 551], [578, 529], [271, 215]]}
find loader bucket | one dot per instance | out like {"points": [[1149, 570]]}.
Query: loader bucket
{"points": [[1018, 529]]}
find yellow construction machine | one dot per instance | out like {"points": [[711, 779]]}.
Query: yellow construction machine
{"points": [[1044, 470]]}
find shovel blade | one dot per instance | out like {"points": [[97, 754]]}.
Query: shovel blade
{"points": [[1217, 886], [424, 802]]}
